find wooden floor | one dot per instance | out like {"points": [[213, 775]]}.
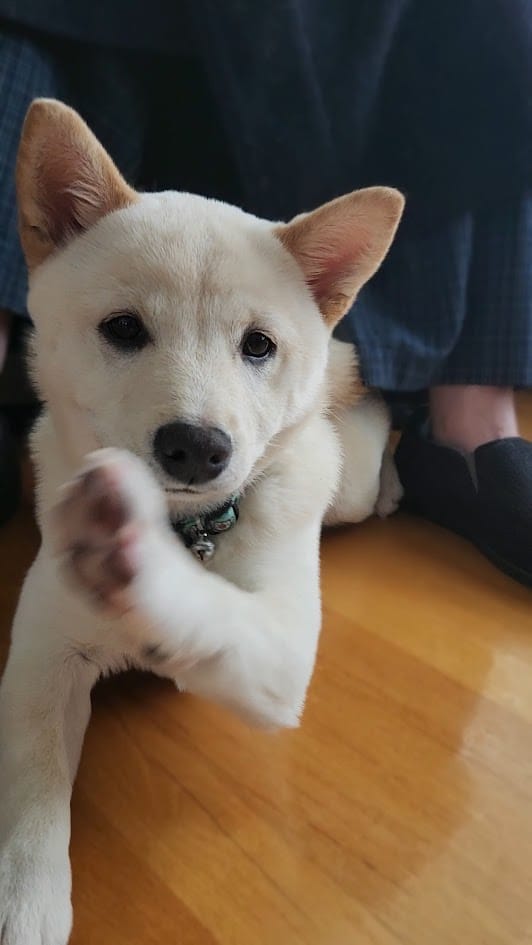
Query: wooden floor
{"points": [[399, 814]]}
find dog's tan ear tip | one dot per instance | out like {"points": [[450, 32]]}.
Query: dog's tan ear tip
{"points": [[391, 201], [45, 113], [48, 108], [395, 200]]}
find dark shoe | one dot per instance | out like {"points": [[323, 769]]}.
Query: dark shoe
{"points": [[404, 405], [9, 471], [485, 496]]}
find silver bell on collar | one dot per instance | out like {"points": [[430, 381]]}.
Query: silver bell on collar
{"points": [[202, 547], [198, 533]]}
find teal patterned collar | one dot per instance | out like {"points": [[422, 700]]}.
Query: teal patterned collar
{"points": [[198, 532]]}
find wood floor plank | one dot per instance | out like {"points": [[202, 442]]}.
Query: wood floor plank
{"points": [[400, 812], [444, 603]]}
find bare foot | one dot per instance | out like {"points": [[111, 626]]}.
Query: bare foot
{"points": [[467, 416]]}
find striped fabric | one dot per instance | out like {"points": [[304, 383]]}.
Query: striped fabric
{"points": [[450, 305], [25, 71], [99, 84], [453, 306]]}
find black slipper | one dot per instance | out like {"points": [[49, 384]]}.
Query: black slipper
{"points": [[9, 471], [485, 496]]}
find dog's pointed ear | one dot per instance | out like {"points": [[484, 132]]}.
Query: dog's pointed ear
{"points": [[341, 244], [66, 181]]}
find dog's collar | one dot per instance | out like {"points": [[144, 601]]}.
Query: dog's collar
{"points": [[198, 532]]}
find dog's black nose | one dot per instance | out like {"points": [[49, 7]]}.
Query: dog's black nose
{"points": [[192, 454]]}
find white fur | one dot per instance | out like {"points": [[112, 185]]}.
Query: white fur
{"points": [[242, 631]]}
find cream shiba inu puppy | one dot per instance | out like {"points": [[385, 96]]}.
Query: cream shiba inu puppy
{"points": [[199, 427]]}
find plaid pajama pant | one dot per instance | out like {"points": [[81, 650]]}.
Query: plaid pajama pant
{"points": [[453, 306]]}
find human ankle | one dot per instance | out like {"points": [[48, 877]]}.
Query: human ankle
{"points": [[467, 416]]}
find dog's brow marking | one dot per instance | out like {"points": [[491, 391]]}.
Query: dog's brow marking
{"points": [[155, 653], [84, 657]]}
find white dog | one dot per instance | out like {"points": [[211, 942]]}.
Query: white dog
{"points": [[188, 344]]}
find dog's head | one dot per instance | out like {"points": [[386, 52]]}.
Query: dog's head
{"points": [[177, 327]]}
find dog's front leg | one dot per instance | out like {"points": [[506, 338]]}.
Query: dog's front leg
{"points": [[44, 710], [252, 650]]}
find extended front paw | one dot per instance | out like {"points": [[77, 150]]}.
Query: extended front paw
{"points": [[102, 523], [35, 906]]}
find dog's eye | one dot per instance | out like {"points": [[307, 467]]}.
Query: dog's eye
{"points": [[257, 345], [125, 331]]}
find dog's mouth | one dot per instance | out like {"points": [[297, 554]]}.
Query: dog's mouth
{"points": [[187, 500], [183, 490]]}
